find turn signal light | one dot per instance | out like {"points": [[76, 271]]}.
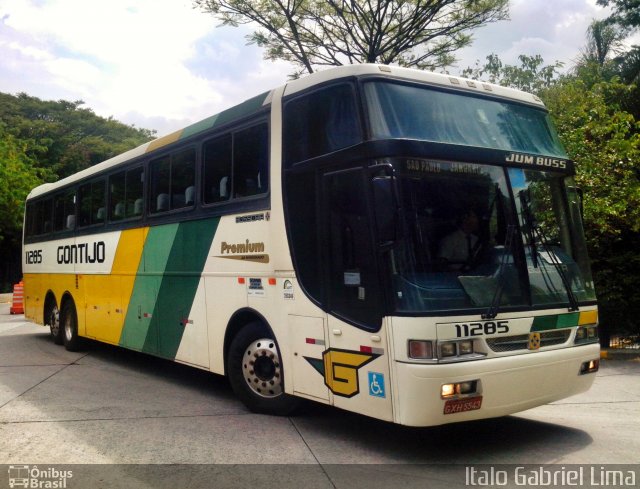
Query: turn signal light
{"points": [[420, 349]]}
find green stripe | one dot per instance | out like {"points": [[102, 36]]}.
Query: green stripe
{"points": [[557, 321], [179, 285], [155, 255], [240, 111]]}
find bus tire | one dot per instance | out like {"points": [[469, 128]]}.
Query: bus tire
{"points": [[52, 319], [254, 368], [69, 326]]}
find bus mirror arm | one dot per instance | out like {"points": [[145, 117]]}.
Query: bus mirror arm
{"points": [[580, 194], [386, 211], [581, 201]]}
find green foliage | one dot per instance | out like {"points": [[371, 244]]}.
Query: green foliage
{"points": [[311, 33], [63, 137], [531, 76], [594, 114], [43, 141], [625, 12], [17, 178], [604, 140]]}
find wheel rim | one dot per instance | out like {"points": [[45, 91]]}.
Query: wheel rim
{"points": [[261, 368], [54, 321], [68, 327]]}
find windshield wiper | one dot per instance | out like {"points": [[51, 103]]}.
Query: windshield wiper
{"points": [[492, 312], [534, 235], [530, 225], [557, 264]]}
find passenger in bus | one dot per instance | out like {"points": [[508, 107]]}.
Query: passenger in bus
{"points": [[457, 249]]}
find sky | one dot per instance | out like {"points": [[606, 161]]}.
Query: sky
{"points": [[162, 65]]}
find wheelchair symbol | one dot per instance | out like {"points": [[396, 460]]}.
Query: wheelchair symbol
{"points": [[376, 384]]}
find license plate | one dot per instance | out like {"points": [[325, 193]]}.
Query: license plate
{"points": [[462, 405]]}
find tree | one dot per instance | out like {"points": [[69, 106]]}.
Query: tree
{"points": [[17, 178], [626, 13], [588, 108], [62, 136], [603, 41], [42, 141], [310, 33], [605, 142], [531, 76]]}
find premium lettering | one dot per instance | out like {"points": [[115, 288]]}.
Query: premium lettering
{"points": [[246, 247], [82, 253]]}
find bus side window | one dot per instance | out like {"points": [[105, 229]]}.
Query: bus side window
{"points": [[183, 176], [216, 166], [251, 161], [321, 123], [91, 206], [43, 217], [116, 196], [64, 211], [160, 184], [134, 189], [171, 176]]}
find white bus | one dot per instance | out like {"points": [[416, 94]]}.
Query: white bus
{"points": [[397, 243]]}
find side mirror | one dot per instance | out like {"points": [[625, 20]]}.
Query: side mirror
{"points": [[386, 209]]}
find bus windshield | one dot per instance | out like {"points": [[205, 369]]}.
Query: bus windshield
{"points": [[398, 110], [463, 237]]}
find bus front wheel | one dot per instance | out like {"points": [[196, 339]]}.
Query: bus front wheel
{"points": [[255, 371], [69, 323]]}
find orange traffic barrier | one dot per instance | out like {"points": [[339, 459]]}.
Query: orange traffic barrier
{"points": [[17, 306]]}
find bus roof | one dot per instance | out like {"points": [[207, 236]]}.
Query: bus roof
{"points": [[254, 104]]}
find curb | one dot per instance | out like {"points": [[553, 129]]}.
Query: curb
{"points": [[6, 298], [620, 354]]}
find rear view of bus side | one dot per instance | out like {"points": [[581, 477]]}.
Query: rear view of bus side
{"points": [[303, 243]]}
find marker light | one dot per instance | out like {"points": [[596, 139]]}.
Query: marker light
{"points": [[420, 349], [448, 349]]}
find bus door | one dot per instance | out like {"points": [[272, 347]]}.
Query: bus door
{"points": [[356, 363]]}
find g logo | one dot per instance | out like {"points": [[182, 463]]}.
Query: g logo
{"points": [[340, 369], [534, 341]]}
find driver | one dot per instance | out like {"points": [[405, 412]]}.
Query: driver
{"points": [[458, 248]]}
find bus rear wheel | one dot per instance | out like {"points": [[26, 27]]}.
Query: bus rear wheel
{"points": [[52, 318], [69, 323], [255, 372]]}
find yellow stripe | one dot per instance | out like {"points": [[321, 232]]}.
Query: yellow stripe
{"points": [[110, 294], [588, 317], [163, 141]]}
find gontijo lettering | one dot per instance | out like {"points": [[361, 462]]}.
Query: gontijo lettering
{"points": [[82, 253]]}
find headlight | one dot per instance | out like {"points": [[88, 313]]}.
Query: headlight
{"points": [[465, 347], [448, 349], [587, 334]]}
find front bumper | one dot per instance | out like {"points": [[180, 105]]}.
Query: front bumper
{"points": [[507, 384]]}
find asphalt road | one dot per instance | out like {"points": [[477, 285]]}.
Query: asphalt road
{"points": [[144, 421]]}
